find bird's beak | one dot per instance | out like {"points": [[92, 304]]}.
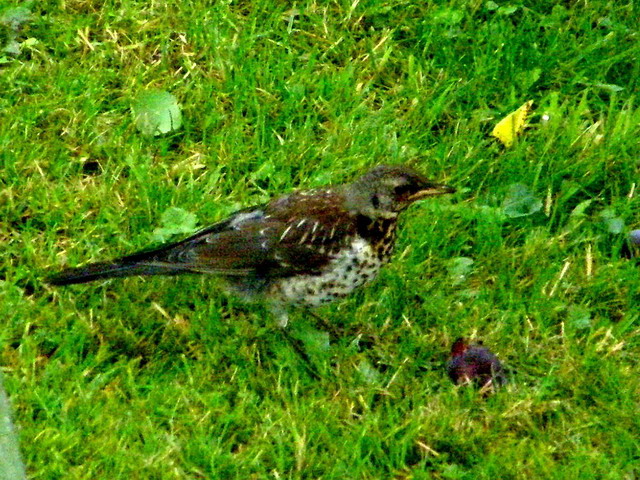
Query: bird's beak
{"points": [[431, 190]]}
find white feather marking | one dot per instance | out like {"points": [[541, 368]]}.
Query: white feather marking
{"points": [[284, 234], [244, 217], [301, 222]]}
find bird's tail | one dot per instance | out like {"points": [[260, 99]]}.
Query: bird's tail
{"points": [[144, 263]]}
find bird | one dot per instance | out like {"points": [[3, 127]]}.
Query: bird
{"points": [[474, 363], [301, 249]]}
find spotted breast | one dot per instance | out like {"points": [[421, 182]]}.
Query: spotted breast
{"points": [[356, 263]]}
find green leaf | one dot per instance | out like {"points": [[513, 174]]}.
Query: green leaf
{"points": [[579, 317], [520, 202], [448, 16], [175, 221], [508, 10], [15, 17], [369, 374], [30, 42], [612, 223], [615, 225], [459, 269], [156, 112], [12, 48], [580, 209], [10, 22]]}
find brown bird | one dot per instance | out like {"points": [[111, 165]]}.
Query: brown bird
{"points": [[474, 363], [304, 249]]}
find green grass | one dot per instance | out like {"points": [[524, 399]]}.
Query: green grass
{"points": [[170, 378]]}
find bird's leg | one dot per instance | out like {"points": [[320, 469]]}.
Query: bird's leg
{"points": [[333, 333], [282, 319], [297, 346]]}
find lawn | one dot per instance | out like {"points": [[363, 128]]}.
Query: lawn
{"points": [[171, 378]]}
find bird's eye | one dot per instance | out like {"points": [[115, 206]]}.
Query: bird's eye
{"points": [[375, 201], [402, 190]]}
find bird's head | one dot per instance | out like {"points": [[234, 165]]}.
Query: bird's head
{"points": [[386, 190]]}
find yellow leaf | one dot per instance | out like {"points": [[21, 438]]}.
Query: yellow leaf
{"points": [[510, 126]]}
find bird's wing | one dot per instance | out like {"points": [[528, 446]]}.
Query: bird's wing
{"points": [[293, 234]]}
